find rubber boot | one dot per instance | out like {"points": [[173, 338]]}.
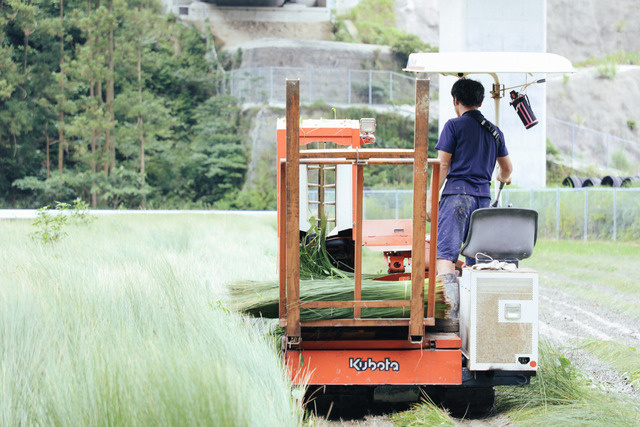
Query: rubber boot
{"points": [[451, 297], [451, 294]]}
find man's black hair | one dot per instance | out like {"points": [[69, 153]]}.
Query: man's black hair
{"points": [[468, 92]]}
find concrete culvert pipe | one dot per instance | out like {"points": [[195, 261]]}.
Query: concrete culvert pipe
{"points": [[572, 181], [630, 181], [591, 182], [611, 181]]}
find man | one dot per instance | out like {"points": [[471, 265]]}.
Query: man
{"points": [[468, 151]]}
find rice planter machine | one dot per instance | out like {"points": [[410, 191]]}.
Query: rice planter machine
{"points": [[382, 358]]}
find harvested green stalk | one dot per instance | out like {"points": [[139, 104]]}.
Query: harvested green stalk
{"points": [[315, 261], [320, 280], [261, 298]]}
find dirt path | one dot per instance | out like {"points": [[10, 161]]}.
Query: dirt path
{"points": [[568, 321]]}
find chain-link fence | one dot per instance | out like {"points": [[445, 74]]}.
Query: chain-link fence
{"points": [[585, 213], [583, 145], [263, 85]]}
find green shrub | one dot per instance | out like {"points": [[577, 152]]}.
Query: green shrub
{"points": [[51, 227], [551, 149], [631, 123], [406, 44], [620, 161], [379, 92], [607, 70]]}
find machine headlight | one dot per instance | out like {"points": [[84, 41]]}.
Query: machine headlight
{"points": [[367, 125], [512, 311]]}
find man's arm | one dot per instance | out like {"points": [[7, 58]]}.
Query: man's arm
{"points": [[445, 159], [505, 169]]}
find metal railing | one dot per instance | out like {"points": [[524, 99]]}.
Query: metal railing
{"points": [[563, 213], [263, 85]]}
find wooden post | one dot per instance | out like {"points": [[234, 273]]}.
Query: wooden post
{"points": [[433, 246], [282, 241], [357, 259], [292, 230], [420, 142]]}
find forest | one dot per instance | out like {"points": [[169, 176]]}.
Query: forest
{"points": [[123, 106], [115, 103]]}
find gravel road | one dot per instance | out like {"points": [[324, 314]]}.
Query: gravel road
{"points": [[568, 321]]}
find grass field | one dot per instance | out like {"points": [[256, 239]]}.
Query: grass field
{"points": [[607, 273], [124, 321]]}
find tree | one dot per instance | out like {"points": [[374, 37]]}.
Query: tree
{"points": [[118, 86], [22, 74], [218, 152]]}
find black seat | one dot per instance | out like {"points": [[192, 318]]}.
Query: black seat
{"points": [[505, 234]]}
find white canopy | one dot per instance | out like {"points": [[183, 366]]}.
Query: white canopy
{"points": [[488, 62]]}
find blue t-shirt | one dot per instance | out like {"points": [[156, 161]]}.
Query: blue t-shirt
{"points": [[473, 152]]}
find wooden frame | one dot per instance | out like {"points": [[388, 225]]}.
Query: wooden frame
{"points": [[289, 262]]}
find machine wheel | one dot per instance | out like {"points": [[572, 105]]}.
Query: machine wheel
{"points": [[339, 402], [341, 251], [463, 402]]}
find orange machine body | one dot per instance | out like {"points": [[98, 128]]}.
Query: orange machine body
{"points": [[355, 349], [438, 360]]}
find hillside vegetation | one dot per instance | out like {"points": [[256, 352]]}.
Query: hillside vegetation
{"points": [[374, 22], [113, 102]]}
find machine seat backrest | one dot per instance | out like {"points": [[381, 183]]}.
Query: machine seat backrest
{"points": [[501, 233]]}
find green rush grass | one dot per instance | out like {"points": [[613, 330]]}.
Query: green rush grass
{"points": [[610, 270], [561, 395], [320, 280], [124, 323], [261, 298], [424, 414], [623, 358]]}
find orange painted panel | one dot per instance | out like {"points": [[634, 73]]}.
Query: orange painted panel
{"points": [[339, 136], [442, 340], [389, 234], [451, 341], [370, 367]]}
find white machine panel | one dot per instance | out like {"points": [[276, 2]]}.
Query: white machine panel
{"points": [[499, 319], [304, 199], [344, 197]]}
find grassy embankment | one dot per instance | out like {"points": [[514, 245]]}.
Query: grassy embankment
{"points": [[121, 323]]}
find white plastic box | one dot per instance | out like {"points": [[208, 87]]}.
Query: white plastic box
{"points": [[499, 319]]}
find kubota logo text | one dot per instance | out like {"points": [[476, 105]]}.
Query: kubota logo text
{"points": [[362, 365]]}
